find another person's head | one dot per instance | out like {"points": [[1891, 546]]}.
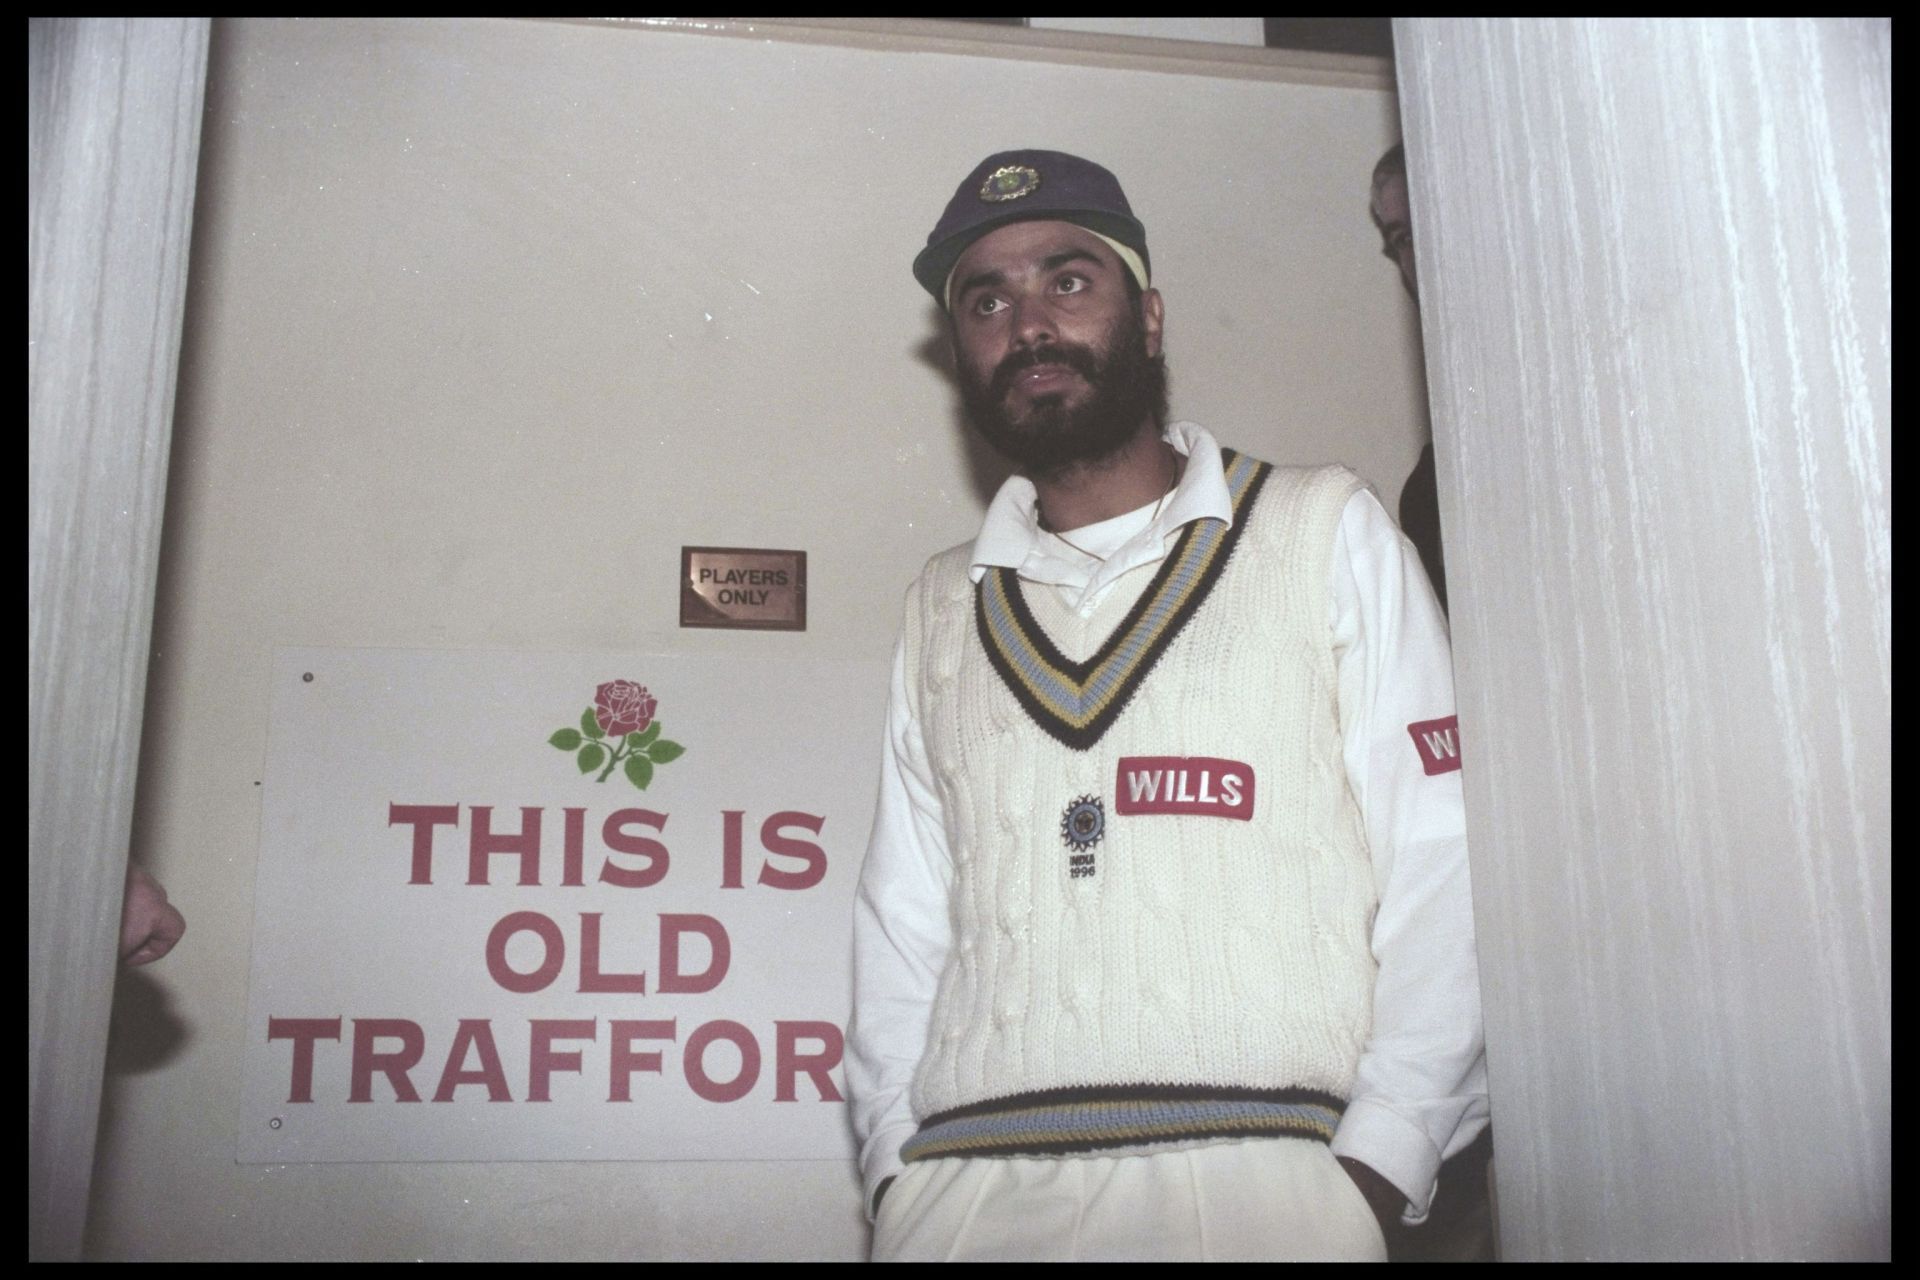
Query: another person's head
{"points": [[1393, 215], [1042, 270]]}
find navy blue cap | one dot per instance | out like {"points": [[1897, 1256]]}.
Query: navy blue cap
{"points": [[1027, 186]]}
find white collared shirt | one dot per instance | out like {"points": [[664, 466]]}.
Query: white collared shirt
{"points": [[1011, 535], [1420, 1092]]}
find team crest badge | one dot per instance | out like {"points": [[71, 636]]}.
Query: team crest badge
{"points": [[1081, 827], [1009, 182], [1084, 822]]}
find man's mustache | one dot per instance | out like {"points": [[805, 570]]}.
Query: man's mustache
{"points": [[1081, 360]]}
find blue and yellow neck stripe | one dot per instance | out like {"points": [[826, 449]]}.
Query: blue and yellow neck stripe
{"points": [[1075, 702], [1075, 1121]]}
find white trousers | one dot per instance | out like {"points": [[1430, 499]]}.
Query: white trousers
{"points": [[1271, 1199]]}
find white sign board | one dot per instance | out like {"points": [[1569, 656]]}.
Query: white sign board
{"points": [[556, 906]]}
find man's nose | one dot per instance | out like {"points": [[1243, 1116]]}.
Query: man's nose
{"points": [[1033, 322]]}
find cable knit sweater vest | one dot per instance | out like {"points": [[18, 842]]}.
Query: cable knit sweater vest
{"points": [[1121, 979]]}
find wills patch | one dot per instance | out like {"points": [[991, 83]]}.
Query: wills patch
{"points": [[1199, 785], [1438, 742]]}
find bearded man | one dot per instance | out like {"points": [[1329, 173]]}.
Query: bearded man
{"points": [[1162, 945]]}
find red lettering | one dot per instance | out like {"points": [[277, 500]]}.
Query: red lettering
{"points": [[789, 1062], [696, 1068], [730, 849], [394, 1047], [591, 979], [806, 851], [303, 1032], [483, 843], [549, 934], [626, 1061], [574, 853], [393, 1064], [475, 1033], [620, 842], [720, 949], [543, 1059], [423, 818]]}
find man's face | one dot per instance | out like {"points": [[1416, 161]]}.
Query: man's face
{"points": [[1057, 363], [1393, 215]]}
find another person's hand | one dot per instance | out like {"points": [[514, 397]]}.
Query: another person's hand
{"points": [[149, 924]]}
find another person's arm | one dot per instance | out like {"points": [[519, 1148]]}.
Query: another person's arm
{"points": [[1420, 1094]]}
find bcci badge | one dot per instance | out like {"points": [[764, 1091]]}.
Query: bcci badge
{"points": [[1081, 827], [1009, 182]]}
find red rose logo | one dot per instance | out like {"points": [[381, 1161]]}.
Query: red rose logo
{"points": [[618, 732], [621, 706]]}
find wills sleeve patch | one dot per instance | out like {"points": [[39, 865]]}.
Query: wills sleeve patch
{"points": [[1438, 742], [1199, 785]]}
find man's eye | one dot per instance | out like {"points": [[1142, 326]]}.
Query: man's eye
{"points": [[988, 305], [1071, 284]]}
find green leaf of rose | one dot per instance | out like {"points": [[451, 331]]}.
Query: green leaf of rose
{"points": [[590, 726], [566, 739], [647, 735], [639, 771], [592, 756], [664, 752]]}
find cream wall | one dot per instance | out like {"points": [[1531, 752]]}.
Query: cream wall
{"points": [[486, 319]]}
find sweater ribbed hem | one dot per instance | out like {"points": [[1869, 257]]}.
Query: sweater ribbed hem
{"points": [[1055, 1122]]}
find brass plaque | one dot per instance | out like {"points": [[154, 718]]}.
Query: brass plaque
{"points": [[746, 588]]}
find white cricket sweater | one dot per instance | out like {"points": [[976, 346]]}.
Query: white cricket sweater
{"points": [[1203, 956]]}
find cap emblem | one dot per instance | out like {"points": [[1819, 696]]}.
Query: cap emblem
{"points": [[1009, 182]]}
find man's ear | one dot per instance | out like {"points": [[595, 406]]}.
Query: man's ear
{"points": [[1153, 317], [939, 348]]}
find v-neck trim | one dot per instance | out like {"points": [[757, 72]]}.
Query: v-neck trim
{"points": [[1076, 702]]}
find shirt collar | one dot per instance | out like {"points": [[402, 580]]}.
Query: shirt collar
{"points": [[1011, 532]]}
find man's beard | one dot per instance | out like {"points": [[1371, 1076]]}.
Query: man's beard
{"points": [[1127, 387]]}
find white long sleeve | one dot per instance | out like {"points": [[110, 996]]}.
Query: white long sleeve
{"points": [[1420, 1093], [901, 933]]}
